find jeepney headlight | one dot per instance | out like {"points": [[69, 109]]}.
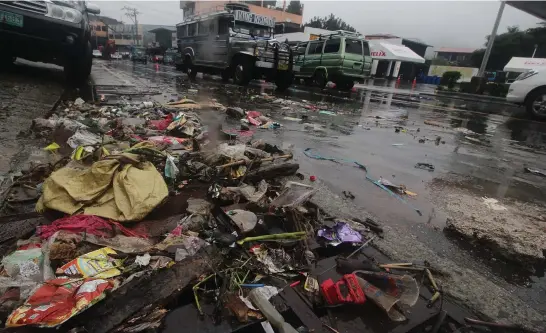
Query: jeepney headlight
{"points": [[63, 13]]}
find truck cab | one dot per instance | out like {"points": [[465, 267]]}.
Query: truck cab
{"points": [[342, 57], [234, 43]]}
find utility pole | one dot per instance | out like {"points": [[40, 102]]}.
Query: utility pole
{"points": [[491, 40], [132, 13]]}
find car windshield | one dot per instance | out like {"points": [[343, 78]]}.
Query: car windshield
{"points": [[252, 29], [72, 3], [353, 46]]}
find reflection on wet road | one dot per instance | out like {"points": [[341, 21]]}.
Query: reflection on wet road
{"points": [[481, 148]]}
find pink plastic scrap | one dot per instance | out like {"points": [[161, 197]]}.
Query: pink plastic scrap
{"points": [[85, 223]]}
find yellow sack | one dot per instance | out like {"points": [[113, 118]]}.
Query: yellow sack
{"points": [[109, 189]]}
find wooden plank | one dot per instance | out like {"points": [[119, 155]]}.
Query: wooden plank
{"points": [[156, 288]]}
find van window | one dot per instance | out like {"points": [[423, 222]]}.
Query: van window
{"points": [[353, 46], [203, 28], [223, 25], [366, 49], [332, 46], [315, 47], [192, 29]]}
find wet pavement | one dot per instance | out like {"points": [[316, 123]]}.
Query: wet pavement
{"points": [[481, 148], [27, 91]]}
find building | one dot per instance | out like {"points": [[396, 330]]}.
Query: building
{"points": [[457, 56], [99, 29], [281, 16], [126, 35], [164, 36]]}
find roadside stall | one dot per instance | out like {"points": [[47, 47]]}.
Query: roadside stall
{"points": [[383, 51]]}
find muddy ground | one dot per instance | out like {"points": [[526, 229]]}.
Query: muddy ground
{"points": [[482, 151]]}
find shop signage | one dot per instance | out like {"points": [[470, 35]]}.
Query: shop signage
{"points": [[254, 18], [378, 54]]}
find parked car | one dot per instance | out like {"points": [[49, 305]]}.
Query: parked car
{"points": [[48, 31], [139, 54], [116, 56], [529, 89], [236, 44], [97, 54], [342, 57]]}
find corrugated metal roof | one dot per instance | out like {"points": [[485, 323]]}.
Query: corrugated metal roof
{"points": [[455, 50]]}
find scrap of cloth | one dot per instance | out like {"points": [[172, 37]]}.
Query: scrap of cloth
{"points": [[119, 188]]}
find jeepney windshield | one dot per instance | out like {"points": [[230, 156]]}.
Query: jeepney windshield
{"points": [[252, 29]]}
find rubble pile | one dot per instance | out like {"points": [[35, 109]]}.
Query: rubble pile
{"points": [[145, 202]]}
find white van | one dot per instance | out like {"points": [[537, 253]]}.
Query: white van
{"points": [[529, 89]]}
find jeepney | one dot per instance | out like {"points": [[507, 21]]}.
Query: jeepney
{"points": [[234, 43]]}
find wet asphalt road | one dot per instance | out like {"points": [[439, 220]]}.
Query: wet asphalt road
{"points": [[489, 161]]}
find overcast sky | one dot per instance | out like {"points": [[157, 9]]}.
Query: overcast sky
{"points": [[438, 23]]}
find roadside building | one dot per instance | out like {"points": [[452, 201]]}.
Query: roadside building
{"points": [[99, 26], [407, 65], [164, 37], [455, 56], [126, 35]]}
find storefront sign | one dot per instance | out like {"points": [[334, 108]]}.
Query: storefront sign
{"points": [[254, 18], [378, 54]]}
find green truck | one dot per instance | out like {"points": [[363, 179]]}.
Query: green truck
{"points": [[234, 43], [342, 57]]}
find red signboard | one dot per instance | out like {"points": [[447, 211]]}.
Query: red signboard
{"points": [[378, 54]]}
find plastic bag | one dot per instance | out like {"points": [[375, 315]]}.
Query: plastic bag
{"points": [[58, 300], [83, 137], [94, 264], [293, 195], [25, 264], [171, 170]]}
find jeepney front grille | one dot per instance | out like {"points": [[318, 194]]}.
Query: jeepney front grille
{"points": [[284, 58], [38, 7]]}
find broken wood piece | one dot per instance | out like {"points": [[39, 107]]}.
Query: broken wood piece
{"points": [[273, 171], [243, 162], [155, 288]]}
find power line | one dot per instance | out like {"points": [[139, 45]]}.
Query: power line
{"points": [[132, 13]]}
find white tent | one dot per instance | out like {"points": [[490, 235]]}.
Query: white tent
{"points": [[386, 51], [520, 65]]}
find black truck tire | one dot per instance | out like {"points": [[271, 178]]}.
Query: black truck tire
{"points": [[226, 74], [242, 71], [320, 79], [6, 61], [78, 67], [345, 85], [284, 81]]}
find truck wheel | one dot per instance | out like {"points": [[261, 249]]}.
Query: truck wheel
{"points": [[320, 79], [284, 81], [6, 61], [226, 75], [78, 66], [242, 71], [345, 85], [192, 73], [535, 103]]}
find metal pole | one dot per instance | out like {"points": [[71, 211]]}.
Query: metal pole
{"points": [[491, 40], [535, 51]]}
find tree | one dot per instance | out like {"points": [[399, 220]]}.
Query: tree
{"points": [[512, 43], [295, 7], [329, 23]]}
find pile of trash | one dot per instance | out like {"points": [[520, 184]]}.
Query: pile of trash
{"points": [[142, 203]]}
